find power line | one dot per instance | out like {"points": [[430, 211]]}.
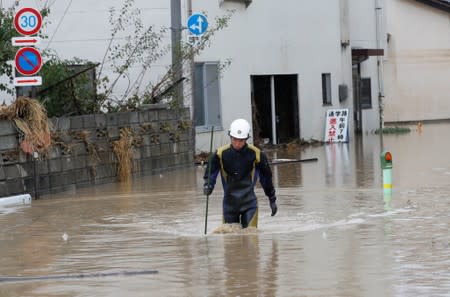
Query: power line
{"points": [[88, 39], [59, 24]]}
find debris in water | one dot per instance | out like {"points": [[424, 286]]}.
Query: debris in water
{"points": [[65, 236]]}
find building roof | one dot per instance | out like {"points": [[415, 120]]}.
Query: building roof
{"points": [[439, 4]]}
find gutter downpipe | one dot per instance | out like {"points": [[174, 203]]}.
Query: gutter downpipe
{"points": [[378, 20]]}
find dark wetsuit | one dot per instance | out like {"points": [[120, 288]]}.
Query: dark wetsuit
{"points": [[240, 170]]}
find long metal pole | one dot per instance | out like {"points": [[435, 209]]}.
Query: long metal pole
{"points": [[378, 23], [209, 175], [192, 76], [177, 68]]}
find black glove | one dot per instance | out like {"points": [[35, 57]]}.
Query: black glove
{"points": [[207, 189], [273, 205]]}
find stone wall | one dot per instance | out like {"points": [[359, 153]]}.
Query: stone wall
{"points": [[82, 155]]}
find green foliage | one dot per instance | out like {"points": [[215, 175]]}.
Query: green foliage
{"points": [[7, 51], [139, 52], [394, 130], [141, 48], [66, 92], [67, 88]]}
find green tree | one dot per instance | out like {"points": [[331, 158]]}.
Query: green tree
{"points": [[68, 86], [140, 50]]}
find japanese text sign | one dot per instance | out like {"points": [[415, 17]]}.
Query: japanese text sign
{"points": [[336, 125]]}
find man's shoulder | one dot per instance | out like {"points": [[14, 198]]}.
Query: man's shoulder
{"points": [[256, 151], [223, 148], [254, 148]]}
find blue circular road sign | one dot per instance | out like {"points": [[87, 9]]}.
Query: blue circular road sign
{"points": [[197, 24]]}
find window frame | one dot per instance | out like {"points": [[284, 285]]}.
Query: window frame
{"points": [[326, 89], [366, 101], [206, 126]]}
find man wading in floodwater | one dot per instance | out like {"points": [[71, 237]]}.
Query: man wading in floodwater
{"points": [[240, 164]]}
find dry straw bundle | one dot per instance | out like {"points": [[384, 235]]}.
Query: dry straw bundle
{"points": [[123, 149], [30, 117]]}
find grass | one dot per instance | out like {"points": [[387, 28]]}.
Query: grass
{"points": [[30, 117], [394, 130], [123, 149]]}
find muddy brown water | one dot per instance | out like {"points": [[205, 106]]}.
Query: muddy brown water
{"points": [[336, 232]]}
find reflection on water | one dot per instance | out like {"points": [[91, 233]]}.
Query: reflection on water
{"points": [[336, 232]]}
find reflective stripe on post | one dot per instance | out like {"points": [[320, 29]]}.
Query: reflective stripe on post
{"points": [[386, 166]]}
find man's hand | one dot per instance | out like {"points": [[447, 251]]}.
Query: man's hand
{"points": [[273, 205], [207, 189]]}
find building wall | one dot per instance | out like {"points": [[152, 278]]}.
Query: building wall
{"points": [[81, 154], [299, 37], [417, 69], [272, 37], [363, 34]]}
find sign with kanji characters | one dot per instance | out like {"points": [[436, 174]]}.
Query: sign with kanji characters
{"points": [[336, 125]]}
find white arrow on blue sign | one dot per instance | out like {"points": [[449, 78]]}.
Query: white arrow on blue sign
{"points": [[197, 24]]}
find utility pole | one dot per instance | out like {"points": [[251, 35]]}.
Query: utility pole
{"points": [[192, 68], [177, 63]]}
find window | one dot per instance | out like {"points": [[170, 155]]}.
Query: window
{"points": [[366, 93], [207, 95], [326, 88], [246, 2]]}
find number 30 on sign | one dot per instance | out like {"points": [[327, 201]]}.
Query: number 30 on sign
{"points": [[28, 21]]}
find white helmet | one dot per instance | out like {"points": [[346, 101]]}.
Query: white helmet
{"points": [[240, 129]]}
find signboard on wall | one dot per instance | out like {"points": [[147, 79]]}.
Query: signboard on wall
{"points": [[336, 125]]}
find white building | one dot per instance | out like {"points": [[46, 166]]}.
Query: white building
{"points": [[291, 60], [417, 65], [302, 57]]}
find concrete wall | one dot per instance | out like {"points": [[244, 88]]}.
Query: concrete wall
{"points": [[81, 153]]}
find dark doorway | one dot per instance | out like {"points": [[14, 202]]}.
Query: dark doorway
{"points": [[285, 118]]}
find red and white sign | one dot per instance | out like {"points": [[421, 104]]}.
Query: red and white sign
{"points": [[25, 41], [28, 61], [28, 21], [27, 81], [336, 125]]}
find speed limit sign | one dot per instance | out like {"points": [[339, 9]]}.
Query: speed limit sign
{"points": [[28, 21]]}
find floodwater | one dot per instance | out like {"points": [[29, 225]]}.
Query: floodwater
{"points": [[336, 232]]}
